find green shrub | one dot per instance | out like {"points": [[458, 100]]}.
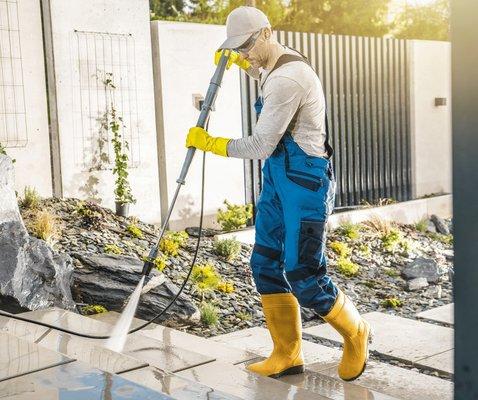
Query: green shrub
{"points": [[243, 316], [113, 249], [391, 239], [87, 212], [172, 241], [422, 225], [92, 309], [225, 287], [234, 217], [445, 239], [227, 248], [350, 230], [135, 231], [205, 277], [364, 249], [391, 302], [31, 198], [346, 267], [159, 262], [339, 248], [392, 272], [209, 314]]}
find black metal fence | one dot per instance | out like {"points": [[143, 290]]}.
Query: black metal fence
{"points": [[366, 84]]}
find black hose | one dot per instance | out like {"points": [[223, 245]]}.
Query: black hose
{"points": [[18, 317]]}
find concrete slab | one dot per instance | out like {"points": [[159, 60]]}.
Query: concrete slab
{"points": [[441, 362], [257, 340], [18, 357], [183, 340], [75, 381], [175, 386], [158, 354], [69, 320], [140, 347], [399, 382], [90, 352], [25, 330], [333, 388], [442, 314], [402, 338], [234, 380]]}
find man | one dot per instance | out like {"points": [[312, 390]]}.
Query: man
{"points": [[288, 260]]}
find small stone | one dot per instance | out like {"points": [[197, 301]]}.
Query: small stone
{"points": [[431, 227], [417, 284]]}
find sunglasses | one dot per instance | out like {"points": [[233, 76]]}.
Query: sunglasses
{"points": [[249, 43]]}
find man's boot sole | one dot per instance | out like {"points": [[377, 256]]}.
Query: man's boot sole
{"points": [[299, 369]]}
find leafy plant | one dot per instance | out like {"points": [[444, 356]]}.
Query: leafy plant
{"points": [[422, 225], [364, 249], [87, 212], [346, 267], [243, 316], [205, 277], [339, 248], [227, 248], [391, 239], [234, 217], [391, 302], [135, 231], [3, 151], [445, 239], [113, 249], [93, 309], [209, 314], [31, 198], [392, 272], [172, 241], [225, 287], [45, 227], [159, 262], [350, 230], [113, 123]]}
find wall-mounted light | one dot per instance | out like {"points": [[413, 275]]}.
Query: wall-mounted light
{"points": [[440, 101]]}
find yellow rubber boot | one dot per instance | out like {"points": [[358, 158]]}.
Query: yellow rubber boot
{"points": [[345, 318], [285, 327]]}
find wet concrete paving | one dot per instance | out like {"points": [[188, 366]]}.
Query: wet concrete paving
{"points": [[75, 381], [175, 386], [18, 357], [183, 340]]}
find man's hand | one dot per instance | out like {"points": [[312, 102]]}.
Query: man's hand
{"points": [[235, 58], [200, 139]]}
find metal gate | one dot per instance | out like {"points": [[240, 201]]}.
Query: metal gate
{"points": [[366, 85]]}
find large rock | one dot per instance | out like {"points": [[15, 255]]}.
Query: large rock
{"points": [[440, 224], [30, 271], [423, 268], [108, 280]]}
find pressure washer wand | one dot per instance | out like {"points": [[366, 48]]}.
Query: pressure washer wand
{"points": [[206, 108]]}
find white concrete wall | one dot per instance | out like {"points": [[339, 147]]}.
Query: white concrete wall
{"points": [[114, 17], [430, 77], [186, 54], [32, 167]]}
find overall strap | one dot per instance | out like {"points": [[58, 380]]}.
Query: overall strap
{"points": [[284, 59]]}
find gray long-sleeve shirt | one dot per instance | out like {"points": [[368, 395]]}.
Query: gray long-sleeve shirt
{"points": [[291, 87]]}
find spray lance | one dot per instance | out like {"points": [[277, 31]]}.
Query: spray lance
{"points": [[206, 108]]}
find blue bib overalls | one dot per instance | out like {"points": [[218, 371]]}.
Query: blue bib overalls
{"points": [[298, 193]]}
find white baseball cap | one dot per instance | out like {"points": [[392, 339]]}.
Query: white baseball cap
{"points": [[241, 23]]}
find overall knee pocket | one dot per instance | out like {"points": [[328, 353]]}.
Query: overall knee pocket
{"points": [[311, 242]]}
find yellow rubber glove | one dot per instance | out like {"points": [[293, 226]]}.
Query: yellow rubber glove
{"points": [[235, 58], [200, 139]]}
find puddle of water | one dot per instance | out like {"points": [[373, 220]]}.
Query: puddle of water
{"points": [[120, 332]]}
